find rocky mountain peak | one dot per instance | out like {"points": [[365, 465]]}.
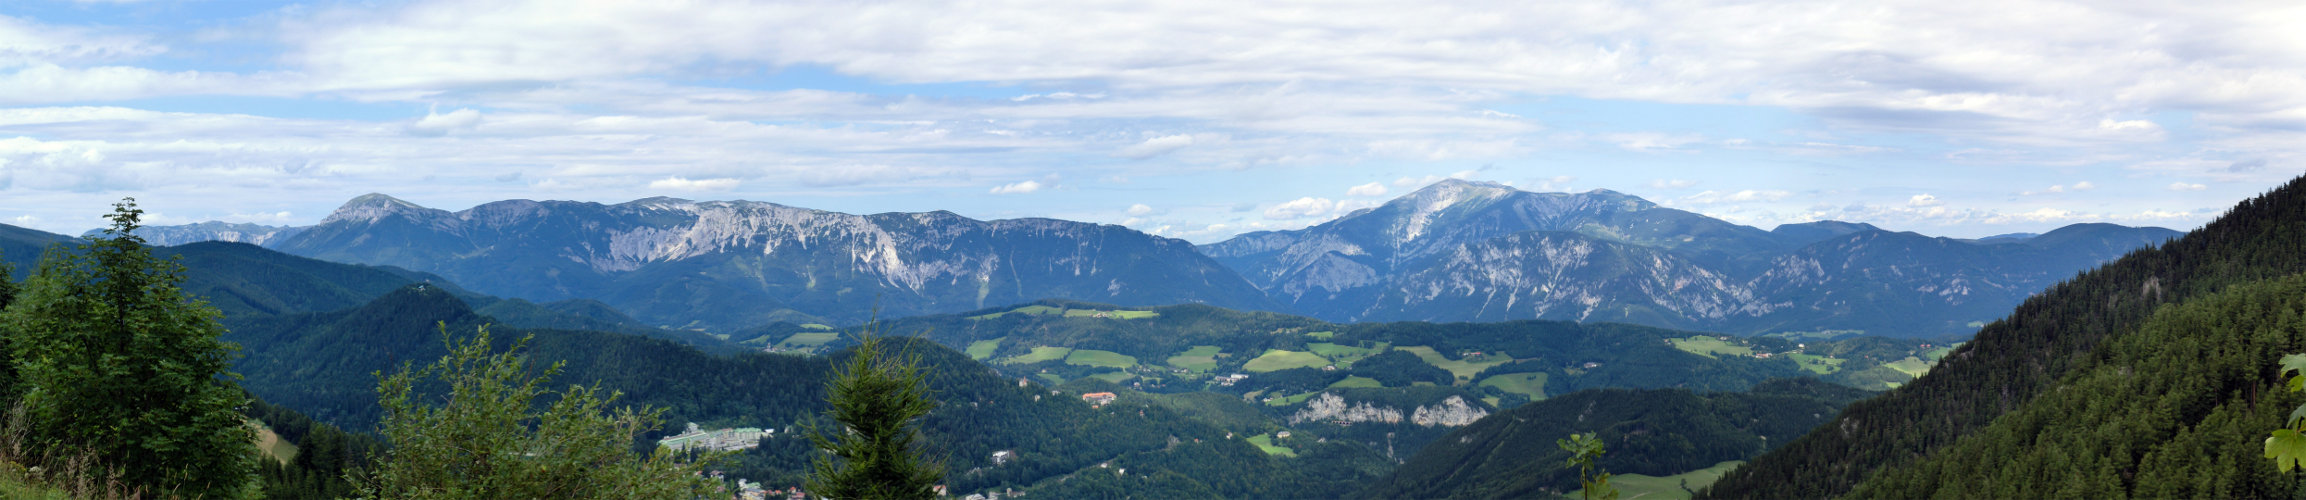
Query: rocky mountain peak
{"points": [[372, 207]]}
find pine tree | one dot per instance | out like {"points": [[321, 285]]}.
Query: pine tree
{"points": [[115, 360], [876, 395], [483, 442]]}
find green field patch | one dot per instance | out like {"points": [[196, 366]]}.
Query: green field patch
{"points": [[1039, 354], [1637, 486], [814, 326], [1461, 368], [1265, 442], [1357, 381], [1089, 313], [272, 445], [1321, 335], [1290, 400], [1114, 377], [1107, 359], [1911, 366], [1527, 384], [1053, 379], [811, 339], [982, 349], [1933, 355], [1276, 359], [1821, 365], [1711, 347], [1200, 358], [1340, 353]]}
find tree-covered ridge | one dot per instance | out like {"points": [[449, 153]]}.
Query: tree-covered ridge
{"points": [[1656, 432], [2175, 409], [2012, 360]]}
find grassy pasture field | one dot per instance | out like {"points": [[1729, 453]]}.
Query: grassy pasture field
{"points": [[1052, 379], [1265, 442], [1200, 358], [273, 445], [1321, 335], [1527, 384], [1108, 359], [1637, 486], [1114, 377], [1290, 400], [814, 326], [811, 339], [1818, 364], [1911, 366], [1711, 347], [1276, 359], [1940, 353], [1340, 353], [1358, 381], [1462, 369], [1039, 354], [982, 349]]}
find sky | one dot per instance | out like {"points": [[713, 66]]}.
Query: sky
{"points": [[1183, 118]]}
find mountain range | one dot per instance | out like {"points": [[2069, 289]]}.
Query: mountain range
{"points": [[1453, 251]]}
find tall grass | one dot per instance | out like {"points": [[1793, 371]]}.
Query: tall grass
{"points": [[53, 474]]}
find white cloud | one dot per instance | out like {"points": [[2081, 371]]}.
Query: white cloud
{"points": [[678, 183], [1018, 188], [2084, 186], [437, 124], [1672, 184], [1370, 189], [1157, 146], [1300, 208], [1924, 200], [1140, 210], [1651, 141], [1711, 197], [2182, 186]]}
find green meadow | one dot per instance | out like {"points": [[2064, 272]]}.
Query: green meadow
{"points": [[1276, 359]]}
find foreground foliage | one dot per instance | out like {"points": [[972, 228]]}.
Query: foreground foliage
{"points": [[113, 358], [877, 397], [483, 442]]}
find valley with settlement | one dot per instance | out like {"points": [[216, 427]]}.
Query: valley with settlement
{"points": [[1434, 346]]}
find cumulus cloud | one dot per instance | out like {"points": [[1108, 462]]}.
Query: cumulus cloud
{"points": [[2078, 186], [1157, 146], [1370, 189], [1711, 197], [1018, 188], [2182, 186], [438, 124], [1300, 208], [1140, 210], [1924, 200], [678, 183], [1672, 184]]}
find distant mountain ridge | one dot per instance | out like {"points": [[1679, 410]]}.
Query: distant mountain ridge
{"points": [[1474, 251], [723, 266]]}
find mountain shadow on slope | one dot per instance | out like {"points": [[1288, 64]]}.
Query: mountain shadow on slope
{"points": [[2013, 360]]}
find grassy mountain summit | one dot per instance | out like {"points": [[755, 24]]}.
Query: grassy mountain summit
{"points": [[2019, 358]]}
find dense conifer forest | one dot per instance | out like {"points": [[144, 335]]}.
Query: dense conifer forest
{"points": [[2016, 359]]}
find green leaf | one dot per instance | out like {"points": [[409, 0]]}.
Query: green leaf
{"points": [[2287, 447], [2297, 383], [2293, 363], [2295, 415]]}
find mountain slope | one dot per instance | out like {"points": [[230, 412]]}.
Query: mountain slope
{"points": [[253, 234], [1656, 432], [2013, 360], [2175, 409], [724, 266], [22, 247]]}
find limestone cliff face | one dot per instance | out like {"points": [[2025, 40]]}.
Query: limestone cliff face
{"points": [[1329, 407]]}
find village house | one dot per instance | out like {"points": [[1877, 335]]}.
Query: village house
{"points": [[1098, 398], [724, 439]]}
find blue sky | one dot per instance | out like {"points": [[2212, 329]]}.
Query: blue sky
{"points": [[1189, 119]]}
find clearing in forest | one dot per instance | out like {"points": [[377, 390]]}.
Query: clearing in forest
{"points": [[1464, 370], [1276, 359], [1818, 364], [1039, 354], [982, 349], [1527, 384], [1710, 347], [1265, 442], [1357, 381], [1200, 358], [1114, 377], [1911, 366], [1675, 487], [1108, 359], [1340, 353]]}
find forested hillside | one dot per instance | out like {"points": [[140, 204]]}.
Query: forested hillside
{"points": [[1657, 432], [2013, 360], [2179, 408]]}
